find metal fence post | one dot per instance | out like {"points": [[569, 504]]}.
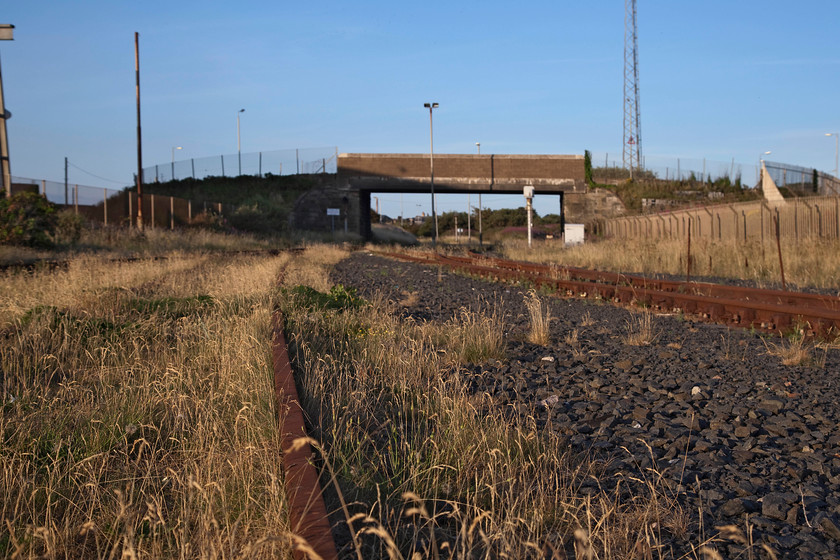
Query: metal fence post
{"points": [[192, 162], [761, 212], [260, 168], [223, 165], [189, 211], [130, 210], [171, 213], [105, 206], [744, 215], [297, 160], [76, 198], [819, 223]]}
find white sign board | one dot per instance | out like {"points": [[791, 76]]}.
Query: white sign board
{"points": [[574, 234], [333, 212]]}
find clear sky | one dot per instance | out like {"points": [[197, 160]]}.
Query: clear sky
{"points": [[718, 80]]}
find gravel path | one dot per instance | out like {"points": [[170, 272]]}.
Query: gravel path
{"points": [[735, 432]]}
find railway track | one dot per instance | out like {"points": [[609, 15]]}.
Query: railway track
{"points": [[749, 308]]}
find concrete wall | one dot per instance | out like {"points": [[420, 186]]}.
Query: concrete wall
{"points": [[586, 208], [310, 210], [463, 173]]}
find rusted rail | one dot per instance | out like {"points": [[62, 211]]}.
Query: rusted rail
{"points": [[307, 510], [769, 310]]}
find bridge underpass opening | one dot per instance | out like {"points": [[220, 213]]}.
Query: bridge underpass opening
{"points": [[406, 209], [380, 179]]}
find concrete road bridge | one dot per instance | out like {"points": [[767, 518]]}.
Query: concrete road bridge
{"points": [[359, 175]]}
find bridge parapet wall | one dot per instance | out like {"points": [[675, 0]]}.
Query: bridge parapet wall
{"points": [[460, 172]]}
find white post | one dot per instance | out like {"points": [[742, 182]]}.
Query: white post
{"points": [[529, 195]]}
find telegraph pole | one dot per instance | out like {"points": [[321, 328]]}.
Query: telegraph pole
{"points": [[6, 34], [139, 137]]}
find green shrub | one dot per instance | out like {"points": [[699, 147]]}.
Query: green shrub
{"points": [[264, 219], [68, 227], [28, 219]]}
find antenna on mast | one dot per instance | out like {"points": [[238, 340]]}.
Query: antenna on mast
{"points": [[632, 141]]}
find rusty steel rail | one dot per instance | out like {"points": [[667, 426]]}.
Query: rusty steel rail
{"points": [[768, 310], [763, 295], [307, 510]]}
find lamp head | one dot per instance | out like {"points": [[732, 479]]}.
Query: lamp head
{"points": [[430, 105]]}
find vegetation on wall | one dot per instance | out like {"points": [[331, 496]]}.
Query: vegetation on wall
{"points": [[263, 203]]}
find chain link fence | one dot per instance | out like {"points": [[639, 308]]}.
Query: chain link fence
{"points": [[278, 162], [798, 218], [605, 170], [119, 207], [802, 180]]}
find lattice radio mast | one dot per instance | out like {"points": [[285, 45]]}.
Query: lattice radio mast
{"points": [[632, 155]]}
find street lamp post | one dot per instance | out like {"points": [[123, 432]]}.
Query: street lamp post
{"points": [[431, 106], [173, 160], [836, 146], [239, 140]]}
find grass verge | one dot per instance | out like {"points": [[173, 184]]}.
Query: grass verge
{"points": [[137, 413]]}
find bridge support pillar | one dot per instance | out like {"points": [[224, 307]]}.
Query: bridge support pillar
{"points": [[562, 217]]}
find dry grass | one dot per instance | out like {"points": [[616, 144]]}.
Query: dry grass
{"points": [[433, 470], [137, 411], [807, 262], [640, 329], [793, 351], [540, 318]]}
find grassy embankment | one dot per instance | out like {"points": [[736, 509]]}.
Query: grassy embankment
{"points": [[137, 411]]}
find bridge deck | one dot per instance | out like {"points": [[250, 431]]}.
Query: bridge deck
{"points": [[462, 173]]}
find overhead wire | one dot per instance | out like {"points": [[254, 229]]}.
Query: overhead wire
{"points": [[95, 175]]}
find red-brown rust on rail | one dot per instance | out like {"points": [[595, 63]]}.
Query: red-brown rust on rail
{"points": [[799, 299], [307, 511], [769, 310]]}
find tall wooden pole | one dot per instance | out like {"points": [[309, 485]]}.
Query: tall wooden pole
{"points": [[7, 34], [139, 137]]}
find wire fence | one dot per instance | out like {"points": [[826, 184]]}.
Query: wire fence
{"points": [[797, 218], [676, 169], [278, 162], [802, 180], [112, 207]]}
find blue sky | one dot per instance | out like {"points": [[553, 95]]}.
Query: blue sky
{"points": [[718, 80]]}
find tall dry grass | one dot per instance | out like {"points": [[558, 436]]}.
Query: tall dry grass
{"points": [[807, 262], [540, 318], [433, 469], [137, 415]]}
